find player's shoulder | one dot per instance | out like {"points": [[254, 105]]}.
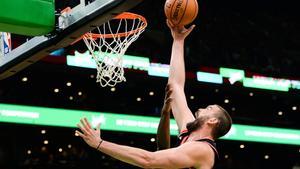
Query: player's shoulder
{"points": [[200, 152], [198, 148]]}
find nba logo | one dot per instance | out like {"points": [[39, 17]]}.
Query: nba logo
{"points": [[5, 43]]}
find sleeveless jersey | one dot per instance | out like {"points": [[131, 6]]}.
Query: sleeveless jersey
{"points": [[184, 135]]}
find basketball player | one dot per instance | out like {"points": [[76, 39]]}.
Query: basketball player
{"points": [[197, 148], [211, 122]]}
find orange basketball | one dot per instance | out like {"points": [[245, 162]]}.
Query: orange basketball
{"points": [[181, 12]]}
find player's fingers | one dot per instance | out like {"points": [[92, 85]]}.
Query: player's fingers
{"points": [[88, 125], [83, 129], [169, 92], [167, 87], [82, 123], [87, 130], [169, 100], [80, 134], [98, 126], [190, 29], [167, 21], [171, 25]]}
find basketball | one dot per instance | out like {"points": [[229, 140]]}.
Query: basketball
{"points": [[181, 12]]}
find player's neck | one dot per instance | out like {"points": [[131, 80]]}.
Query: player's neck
{"points": [[202, 133]]}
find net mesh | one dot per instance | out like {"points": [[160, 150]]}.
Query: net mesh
{"points": [[108, 44]]}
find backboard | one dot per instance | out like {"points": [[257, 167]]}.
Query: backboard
{"points": [[76, 22]]}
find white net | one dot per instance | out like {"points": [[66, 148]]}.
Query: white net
{"points": [[108, 46]]}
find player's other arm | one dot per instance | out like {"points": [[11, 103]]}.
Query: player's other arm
{"points": [[180, 110], [183, 156], [163, 130]]}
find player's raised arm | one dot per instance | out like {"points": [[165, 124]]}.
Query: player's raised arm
{"points": [[181, 112], [163, 130]]}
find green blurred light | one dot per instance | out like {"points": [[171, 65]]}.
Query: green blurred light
{"points": [[295, 84], [81, 60], [228, 72], [130, 123], [263, 134], [267, 83], [85, 60], [160, 70], [209, 77]]}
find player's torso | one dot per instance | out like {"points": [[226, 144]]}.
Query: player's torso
{"points": [[204, 165]]}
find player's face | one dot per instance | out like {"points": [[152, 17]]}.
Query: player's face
{"points": [[203, 115], [209, 111]]}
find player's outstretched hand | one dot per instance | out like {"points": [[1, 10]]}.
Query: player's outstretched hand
{"points": [[179, 32], [91, 136]]}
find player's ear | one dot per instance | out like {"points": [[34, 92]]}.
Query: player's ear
{"points": [[213, 121]]}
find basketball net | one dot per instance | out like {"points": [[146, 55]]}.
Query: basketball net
{"points": [[109, 44]]}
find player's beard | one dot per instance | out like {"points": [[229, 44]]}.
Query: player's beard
{"points": [[196, 124]]}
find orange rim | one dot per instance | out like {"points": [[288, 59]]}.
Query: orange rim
{"points": [[124, 15]]}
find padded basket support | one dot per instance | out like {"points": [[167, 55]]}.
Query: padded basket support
{"points": [[27, 17]]}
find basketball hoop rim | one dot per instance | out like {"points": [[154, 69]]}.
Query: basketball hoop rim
{"points": [[113, 68], [124, 15]]}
